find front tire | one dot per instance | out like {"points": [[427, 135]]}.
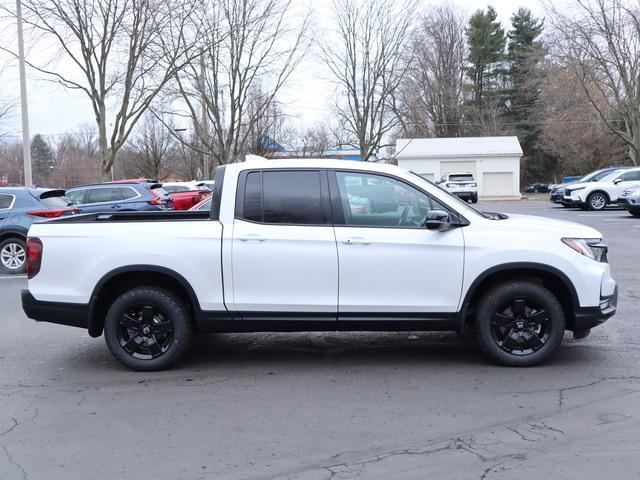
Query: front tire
{"points": [[597, 201], [519, 323], [13, 255], [148, 329]]}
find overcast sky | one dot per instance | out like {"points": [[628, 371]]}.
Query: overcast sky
{"points": [[307, 98]]}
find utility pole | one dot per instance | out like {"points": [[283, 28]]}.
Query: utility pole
{"points": [[26, 139], [203, 118]]}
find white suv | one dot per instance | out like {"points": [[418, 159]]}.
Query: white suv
{"points": [[597, 195], [462, 185]]}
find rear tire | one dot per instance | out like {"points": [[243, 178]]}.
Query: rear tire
{"points": [[519, 323], [148, 329], [13, 256]]}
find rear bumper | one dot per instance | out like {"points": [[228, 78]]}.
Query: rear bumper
{"points": [[71, 314], [465, 195], [589, 317]]}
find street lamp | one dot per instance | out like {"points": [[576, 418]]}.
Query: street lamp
{"points": [[26, 140]]}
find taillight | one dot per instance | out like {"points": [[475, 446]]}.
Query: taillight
{"points": [[34, 256], [53, 213]]}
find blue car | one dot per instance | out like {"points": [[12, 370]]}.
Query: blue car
{"points": [[19, 208], [121, 196]]}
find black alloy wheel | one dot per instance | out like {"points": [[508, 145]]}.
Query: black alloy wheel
{"points": [[145, 332], [148, 328], [519, 322], [520, 326]]}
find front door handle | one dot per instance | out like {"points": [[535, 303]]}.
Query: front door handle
{"points": [[251, 237], [356, 241]]}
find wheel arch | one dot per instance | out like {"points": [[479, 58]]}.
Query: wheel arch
{"points": [[599, 190], [552, 278], [12, 234], [122, 279]]}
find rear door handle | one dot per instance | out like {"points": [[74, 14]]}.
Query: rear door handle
{"points": [[251, 237], [356, 241]]}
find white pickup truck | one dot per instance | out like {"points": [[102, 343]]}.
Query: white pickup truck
{"points": [[317, 245]]}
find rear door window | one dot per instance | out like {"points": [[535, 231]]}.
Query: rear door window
{"points": [[283, 197], [6, 201], [105, 194]]}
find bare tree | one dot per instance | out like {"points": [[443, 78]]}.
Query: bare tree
{"points": [[6, 109], [154, 146], [429, 102], [366, 62], [570, 128], [123, 52], [248, 50], [77, 159], [600, 41], [313, 141]]}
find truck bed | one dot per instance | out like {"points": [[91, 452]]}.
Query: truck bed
{"points": [[159, 216]]}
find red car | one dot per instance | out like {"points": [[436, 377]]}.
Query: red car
{"points": [[186, 200]]}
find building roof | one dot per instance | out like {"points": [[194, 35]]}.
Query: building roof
{"points": [[457, 147]]}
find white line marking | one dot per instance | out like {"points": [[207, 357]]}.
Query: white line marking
{"points": [[12, 277]]}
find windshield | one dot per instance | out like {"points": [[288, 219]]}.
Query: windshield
{"points": [[595, 176], [451, 196], [611, 176]]}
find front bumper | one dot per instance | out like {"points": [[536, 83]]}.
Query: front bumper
{"points": [[71, 314], [589, 317], [572, 202], [556, 198]]}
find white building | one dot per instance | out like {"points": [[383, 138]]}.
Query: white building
{"points": [[494, 161]]}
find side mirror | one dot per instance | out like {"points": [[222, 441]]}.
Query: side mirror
{"points": [[437, 220], [617, 181]]}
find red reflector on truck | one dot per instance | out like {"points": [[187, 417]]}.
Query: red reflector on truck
{"points": [[34, 256]]}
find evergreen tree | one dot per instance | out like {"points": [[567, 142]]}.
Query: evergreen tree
{"points": [[521, 97], [41, 159], [486, 42]]}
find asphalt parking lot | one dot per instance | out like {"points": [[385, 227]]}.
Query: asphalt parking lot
{"points": [[328, 406]]}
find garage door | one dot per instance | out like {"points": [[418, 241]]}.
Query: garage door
{"points": [[497, 184], [458, 167]]}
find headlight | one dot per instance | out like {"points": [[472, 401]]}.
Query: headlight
{"points": [[594, 248], [571, 190]]}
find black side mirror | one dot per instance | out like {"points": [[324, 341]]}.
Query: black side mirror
{"points": [[437, 220], [617, 181]]}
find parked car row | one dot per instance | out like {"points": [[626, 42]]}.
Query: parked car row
{"points": [[21, 206], [600, 189]]}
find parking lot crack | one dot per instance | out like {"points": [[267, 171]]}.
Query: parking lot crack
{"points": [[13, 462], [16, 423], [520, 434]]}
